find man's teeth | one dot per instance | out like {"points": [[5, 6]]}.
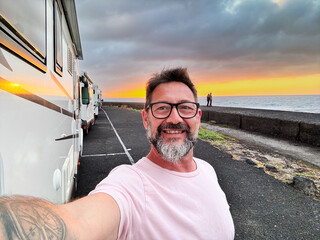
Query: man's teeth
{"points": [[173, 131]]}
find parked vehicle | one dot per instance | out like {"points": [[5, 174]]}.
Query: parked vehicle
{"points": [[97, 100], [86, 103], [41, 136]]}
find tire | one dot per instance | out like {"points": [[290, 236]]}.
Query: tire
{"points": [[86, 131]]}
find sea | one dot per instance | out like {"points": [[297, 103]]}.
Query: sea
{"points": [[293, 103]]}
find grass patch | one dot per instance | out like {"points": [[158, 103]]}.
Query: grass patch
{"points": [[208, 134], [129, 108], [216, 124], [134, 109], [307, 175]]}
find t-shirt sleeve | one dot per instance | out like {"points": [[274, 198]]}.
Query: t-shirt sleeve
{"points": [[125, 186]]}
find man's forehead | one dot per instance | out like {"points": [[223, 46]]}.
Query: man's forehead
{"points": [[172, 90]]}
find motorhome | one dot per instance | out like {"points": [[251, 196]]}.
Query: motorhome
{"points": [[86, 102], [97, 100], [41, 136]]}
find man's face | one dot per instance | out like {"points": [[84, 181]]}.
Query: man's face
{"points": [[173, 137]]}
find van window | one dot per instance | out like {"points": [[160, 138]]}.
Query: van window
{"points": [[58, 37], [70, 61], [23, 29]]}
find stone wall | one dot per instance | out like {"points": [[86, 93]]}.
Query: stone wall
{"points": [[135, 105], [294, 126]]}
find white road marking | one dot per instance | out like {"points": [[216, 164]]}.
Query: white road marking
{"points": [[103, 154], [122, 144], [94, 155]]}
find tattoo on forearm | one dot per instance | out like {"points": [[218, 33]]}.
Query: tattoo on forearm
{"points": [[30, 219]]}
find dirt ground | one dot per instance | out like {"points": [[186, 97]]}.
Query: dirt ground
{"points": [[280, 166]]}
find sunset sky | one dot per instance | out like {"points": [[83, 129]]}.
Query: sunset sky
{"points": [[239, 47]]}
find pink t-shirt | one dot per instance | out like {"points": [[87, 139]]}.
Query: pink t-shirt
{"points": [[156, 203]]}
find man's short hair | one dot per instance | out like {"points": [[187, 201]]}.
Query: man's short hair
{"points": [[167, 76]]}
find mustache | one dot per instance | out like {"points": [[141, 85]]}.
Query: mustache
{"points": [[173, 126]]}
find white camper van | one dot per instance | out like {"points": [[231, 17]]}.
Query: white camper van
{"points": [[97, 100], [41, 137], [86, 102]]}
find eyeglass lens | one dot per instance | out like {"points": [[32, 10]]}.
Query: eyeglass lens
{"points": [[185, 110]]}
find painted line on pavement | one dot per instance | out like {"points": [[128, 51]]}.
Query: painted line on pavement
{"points": [[122, 144], [103, 154]]}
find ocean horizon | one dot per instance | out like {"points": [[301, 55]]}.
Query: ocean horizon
{"points": [[293, 103]]}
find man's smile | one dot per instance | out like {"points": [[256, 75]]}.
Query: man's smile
{"points": [[169, 128], [173, 131]]}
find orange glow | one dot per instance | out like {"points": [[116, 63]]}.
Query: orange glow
{"points": [[22, 89], [28, 89], [305, 85], [139, 92], [13, 88], [302, 85], [60, 85], [43, 90]]}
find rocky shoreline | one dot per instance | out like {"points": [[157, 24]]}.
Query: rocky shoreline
{"points": [[299, 174]]}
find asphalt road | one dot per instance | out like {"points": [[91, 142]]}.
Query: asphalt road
{"points": [[262, 207]]}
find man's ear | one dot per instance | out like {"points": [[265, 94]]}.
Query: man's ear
{"points": [[144, 114], [200, 114]]}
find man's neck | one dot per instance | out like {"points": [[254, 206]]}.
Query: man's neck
{"points": [[186, 164]]}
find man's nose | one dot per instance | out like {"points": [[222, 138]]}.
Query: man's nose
{"points": [[174, 116]]}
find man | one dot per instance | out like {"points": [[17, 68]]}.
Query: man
{"points": [[168, 194], [208, 99]]}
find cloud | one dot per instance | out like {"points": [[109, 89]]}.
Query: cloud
{"points": [[128, 40]]}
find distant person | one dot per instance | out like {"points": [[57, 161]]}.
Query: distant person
{"points": [[209, 100], [169, 194]]}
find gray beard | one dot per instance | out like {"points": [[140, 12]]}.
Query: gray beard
{"points": [[169, 151]]}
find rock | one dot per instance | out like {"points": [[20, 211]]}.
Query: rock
{"points": [[248, 160], [263, 159], [301, 170], [304, 184], [271, 168]]}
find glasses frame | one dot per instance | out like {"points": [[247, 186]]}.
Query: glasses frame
{"points": [[173, 105]]}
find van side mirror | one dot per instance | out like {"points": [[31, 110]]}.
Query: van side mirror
{"points": [[85, 95]]}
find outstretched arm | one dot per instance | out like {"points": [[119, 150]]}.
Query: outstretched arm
{"points": [[30, 218], [92, 217]]}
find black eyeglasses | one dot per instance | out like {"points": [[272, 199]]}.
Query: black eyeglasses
{"points": [[163, 110]]}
